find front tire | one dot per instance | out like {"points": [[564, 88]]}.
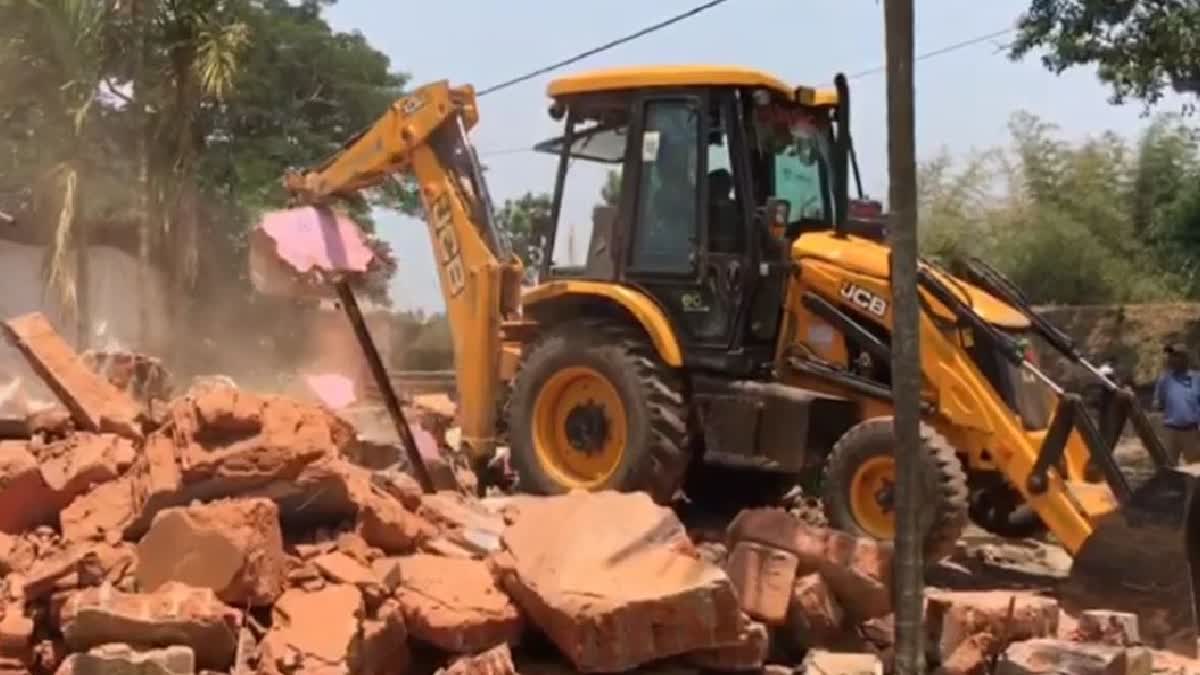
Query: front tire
{"points": [[594, 408], [860, 474]]}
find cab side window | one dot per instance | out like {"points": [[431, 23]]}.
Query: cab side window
{"points": [[725, 231], [665, 236]]}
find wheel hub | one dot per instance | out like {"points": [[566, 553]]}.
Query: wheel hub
{"points": [[587, 428], [885, 496]]}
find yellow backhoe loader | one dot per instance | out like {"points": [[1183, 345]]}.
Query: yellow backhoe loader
{"points": [[734, 309]]}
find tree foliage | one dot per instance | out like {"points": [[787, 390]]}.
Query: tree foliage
{"points": [[225, 96], [521, 220], [1141, 48], [1095, 222]]}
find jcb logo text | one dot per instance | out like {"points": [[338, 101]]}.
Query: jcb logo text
{"points": [[864, 299], [449, 254]]}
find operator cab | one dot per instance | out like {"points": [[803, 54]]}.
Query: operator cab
{"points": [[705, 175]]}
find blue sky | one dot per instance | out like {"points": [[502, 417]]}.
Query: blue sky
{"points": [[964, 98]]}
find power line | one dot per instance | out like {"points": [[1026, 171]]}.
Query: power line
{"points": [[940, 51], [604, 47]]}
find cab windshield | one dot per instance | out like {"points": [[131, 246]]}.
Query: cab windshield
{"points": [[798, 143]]}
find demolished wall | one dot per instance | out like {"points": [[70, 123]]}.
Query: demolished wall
{"points": [[113, 295]]}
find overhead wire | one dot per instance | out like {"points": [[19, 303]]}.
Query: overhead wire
{"points": [[940, 51], [604, 47]]}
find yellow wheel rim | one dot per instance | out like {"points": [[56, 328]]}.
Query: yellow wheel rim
{"points": [[579, 428], [870, 500]]}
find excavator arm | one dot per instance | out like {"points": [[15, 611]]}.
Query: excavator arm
{"points": [[424, 134]]}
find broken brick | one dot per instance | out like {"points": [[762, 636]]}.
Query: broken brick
{"points": [[385, 524], [341, 568], [95, 404], [953, 616], [821, 662], [972, 656], [71, 466], [314, 630], [455, 604], [465, 522], [1053, 657], [814, 617], [1107, 627], [105, 510], [121, 659], [16, 631], [234, 547], [25, 499], [749, 654], [763, 578], [174, 615], [495, 661], [857, 569], [384, 642], [614, 582]]}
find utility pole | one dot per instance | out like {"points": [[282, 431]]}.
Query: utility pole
{"points": [[906, 350]]}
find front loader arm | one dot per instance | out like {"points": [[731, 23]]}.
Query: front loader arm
{"points": [[425, 134]]}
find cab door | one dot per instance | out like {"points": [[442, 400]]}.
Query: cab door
{"points": [[688, 239]]}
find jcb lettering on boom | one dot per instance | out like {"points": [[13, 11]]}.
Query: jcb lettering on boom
{"points": [[449, 253], [864, 299]]}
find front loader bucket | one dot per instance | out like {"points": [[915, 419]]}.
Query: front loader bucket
{"points": [[1141, 558]]}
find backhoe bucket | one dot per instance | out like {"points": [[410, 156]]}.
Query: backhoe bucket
{"points": [[1141, 558], [294, 251]]}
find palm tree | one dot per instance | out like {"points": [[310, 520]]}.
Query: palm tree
{"points": [[60, 44]]}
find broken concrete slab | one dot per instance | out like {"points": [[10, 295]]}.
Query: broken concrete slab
{"points": [[858, 570], [953, 616], [174, 615], [95, 404], [1057, 657], [763, 577], [122, 659], [455, 604], [614, 582], [233, 546], [314, 631]]}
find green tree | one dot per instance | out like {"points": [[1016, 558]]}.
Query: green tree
{"points": [[1140, 47], [523, 220], [1063, 220], [610, 192]]}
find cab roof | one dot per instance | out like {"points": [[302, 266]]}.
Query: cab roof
{"points": [[640, 77]]}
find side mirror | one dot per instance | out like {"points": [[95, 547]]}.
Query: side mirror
{"points": [[778, 213]]}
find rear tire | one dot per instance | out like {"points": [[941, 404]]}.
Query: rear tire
{"points": [[862, 464], [594, 408]]}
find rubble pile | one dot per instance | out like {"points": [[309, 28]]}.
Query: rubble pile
{"points": [[232, 532]]}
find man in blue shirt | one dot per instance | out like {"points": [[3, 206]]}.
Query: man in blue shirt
{"points": [[1177, 395]]}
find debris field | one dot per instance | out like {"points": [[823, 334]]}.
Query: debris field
{"points": [[226, 531]]}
